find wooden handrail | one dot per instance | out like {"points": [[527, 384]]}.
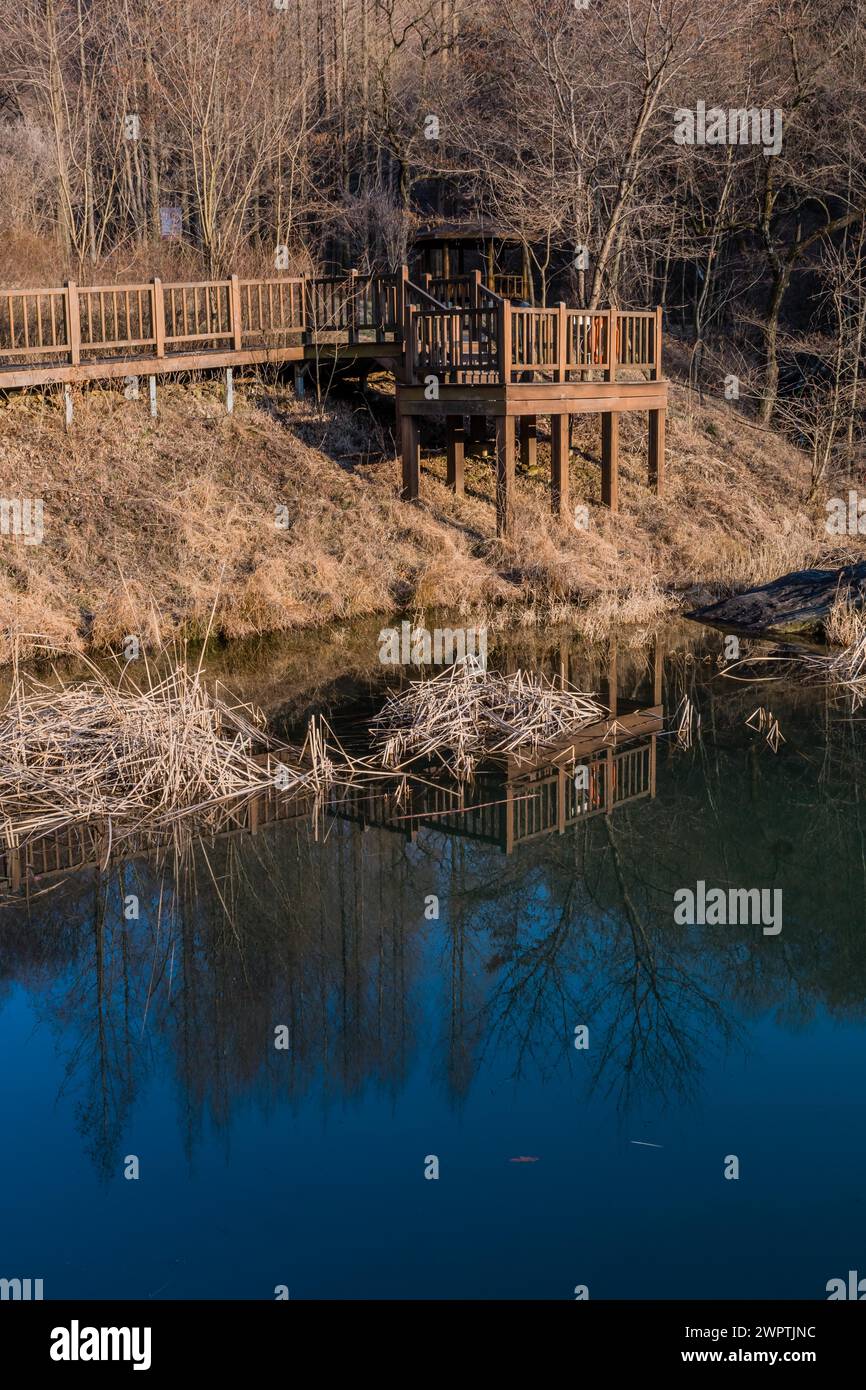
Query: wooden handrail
{"points": [[484, 337]]}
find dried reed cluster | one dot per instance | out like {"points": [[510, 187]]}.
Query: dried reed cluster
{"points": [[467, 713], [137, 757]]}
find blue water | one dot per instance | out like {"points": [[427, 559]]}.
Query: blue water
{"points": [[455, 1038]]}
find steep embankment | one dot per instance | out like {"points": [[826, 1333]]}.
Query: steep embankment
{"points": [[145, 522]]}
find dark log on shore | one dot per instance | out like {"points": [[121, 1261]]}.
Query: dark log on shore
{"points": [[796, 603]]}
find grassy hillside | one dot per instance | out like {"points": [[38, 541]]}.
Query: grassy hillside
{"points": [[148, 522]]}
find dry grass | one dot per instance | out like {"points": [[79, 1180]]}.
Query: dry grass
{"points": [[146, 521], [845, 623]]}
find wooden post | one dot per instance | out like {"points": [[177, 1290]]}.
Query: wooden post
{"points": [[658, 671], [559, 464], [510, 808], [657, 451], [67, 402], [299, 381], [504, 343], [158, 306], [235, 296], [73, 322], [13, 859], [476, 289], [353, 306], [504, 474], [560, 800], [408, 343], [456, 452], [528, 442], [657, 361], [610, 367], [411, 455], [152, 388], [562, 342], [230, 391], [610, 459]]}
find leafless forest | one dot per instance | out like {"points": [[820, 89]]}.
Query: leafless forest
{"points": [[171, 136]]}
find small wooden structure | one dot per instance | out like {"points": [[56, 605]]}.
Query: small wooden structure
{"points": [[457, 349], [450, 251], [487, 357]]}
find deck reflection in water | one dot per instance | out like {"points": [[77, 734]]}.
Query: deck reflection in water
{"points": [[454, 1032]]}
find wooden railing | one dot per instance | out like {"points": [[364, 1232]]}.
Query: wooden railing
{"points": [[458, 330], [464, 291], [454, 345], [498, 342], [510, 286], [76, 325]]}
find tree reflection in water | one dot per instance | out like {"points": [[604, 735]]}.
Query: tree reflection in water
{"points": [[327, 934]]}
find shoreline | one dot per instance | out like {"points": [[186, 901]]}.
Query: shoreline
{"points": [[148, 534]]}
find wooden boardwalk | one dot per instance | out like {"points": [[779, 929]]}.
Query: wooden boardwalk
{"points": [[457, 350]]}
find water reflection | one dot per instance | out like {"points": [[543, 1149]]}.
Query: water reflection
{"points": [[554, 910]]}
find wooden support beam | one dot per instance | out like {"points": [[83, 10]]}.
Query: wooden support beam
{"points": [[230, 391], [158, 309], [559, 464], [299, 383], [528, 441], [504, 473], [235, 297], [610, 459], [656, 472], [456, 453], [152, 390], [560, 801], [411, 455], [73, 322]]}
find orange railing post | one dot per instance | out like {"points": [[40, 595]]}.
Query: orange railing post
{"points": [[352, 307], [657, 345], [610, 364], [158, 315], [561, 342], [504, 341], [235, 312], [73, 322]]}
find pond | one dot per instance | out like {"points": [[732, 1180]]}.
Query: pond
{"points": [[398, 1051]]}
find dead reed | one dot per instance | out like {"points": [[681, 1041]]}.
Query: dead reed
{"points": [[137, 757], [467, 713]]}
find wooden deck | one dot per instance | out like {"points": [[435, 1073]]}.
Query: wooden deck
{"points": [[484, 356], [457, 349]]}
